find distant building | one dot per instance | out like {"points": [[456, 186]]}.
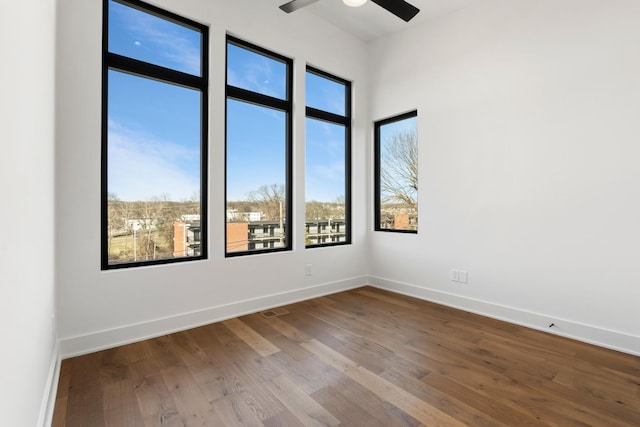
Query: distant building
{"points": [[325, 231], [246, 236], [237, 236], [186, 238], [399, 221], [234, 216], [265, 234]]}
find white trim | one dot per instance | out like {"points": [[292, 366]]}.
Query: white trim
{"points": [[89, 343], [50, 389], [83, 344], [614, 340]]}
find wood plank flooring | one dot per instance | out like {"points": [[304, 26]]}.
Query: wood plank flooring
{"points": [[364, 357]]}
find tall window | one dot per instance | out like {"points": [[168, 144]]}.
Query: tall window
{"points": [[154, 136], [328, 159], [396, 174], [258, 163]]}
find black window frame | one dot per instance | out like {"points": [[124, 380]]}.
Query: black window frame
{"points": [[113, 61], [376, 172], [317, 114], [261, 100]]}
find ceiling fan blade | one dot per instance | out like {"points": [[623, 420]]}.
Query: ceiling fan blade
{"points": [[294, 5], [400, 8]]}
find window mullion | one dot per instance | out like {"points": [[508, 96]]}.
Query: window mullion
{"points": [[144, 69], [327, 116], [240, 94]]}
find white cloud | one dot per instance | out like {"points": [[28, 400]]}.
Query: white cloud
{"points": [[141, 166]]}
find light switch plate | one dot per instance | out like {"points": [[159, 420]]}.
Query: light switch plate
{"points": [[463, 276]]}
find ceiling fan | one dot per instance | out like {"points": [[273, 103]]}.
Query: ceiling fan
{"points": [[400, 8]]}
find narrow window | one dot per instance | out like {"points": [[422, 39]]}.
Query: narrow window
{"points": [[396, 174], [154, 136], [328, 159], [258, 150]]}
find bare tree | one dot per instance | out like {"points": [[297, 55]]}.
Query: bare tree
{"points": [[399, 170], [316, 210], [144, 229], [114, 222], [339, 207], [119, 215], [270, 199], [325, 210], [148, 214]]}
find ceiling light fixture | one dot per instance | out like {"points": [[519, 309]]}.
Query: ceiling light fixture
{"points": [[354, 3]]}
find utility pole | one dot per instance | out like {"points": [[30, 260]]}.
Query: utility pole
{"points": [[281, 226], [135, 255], [136, 227]]}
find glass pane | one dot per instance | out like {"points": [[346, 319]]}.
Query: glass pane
{"points": [[256, 72], [148, 38], [153, 176], [398, 175], [325, 94], [325, 182], [256, 177]]}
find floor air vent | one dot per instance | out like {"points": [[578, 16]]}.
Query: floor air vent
{"points": [[274, 313]]}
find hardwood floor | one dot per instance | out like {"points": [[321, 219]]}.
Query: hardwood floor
{"points": [[365, 357]]}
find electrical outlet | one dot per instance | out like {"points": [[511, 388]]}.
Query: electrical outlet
{"points": [[455, 275], [307, 270]]}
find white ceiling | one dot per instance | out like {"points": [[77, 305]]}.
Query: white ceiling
{"points": [[370, 21]]}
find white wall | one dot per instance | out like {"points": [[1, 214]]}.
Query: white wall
{"points": [[99, 309], [528, 117], [27, 295]]}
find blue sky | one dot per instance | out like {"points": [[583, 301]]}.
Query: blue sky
{"points": [[154, 138], [325, 173], [407, 125]]}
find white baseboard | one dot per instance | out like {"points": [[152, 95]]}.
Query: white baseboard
{"points": [[83, 344], [101, 340], [51, 389], [587, 333]]}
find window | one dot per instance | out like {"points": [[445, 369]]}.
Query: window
{"points": [[258, 150], [328, 159], [154, 136], [396, 174]]}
